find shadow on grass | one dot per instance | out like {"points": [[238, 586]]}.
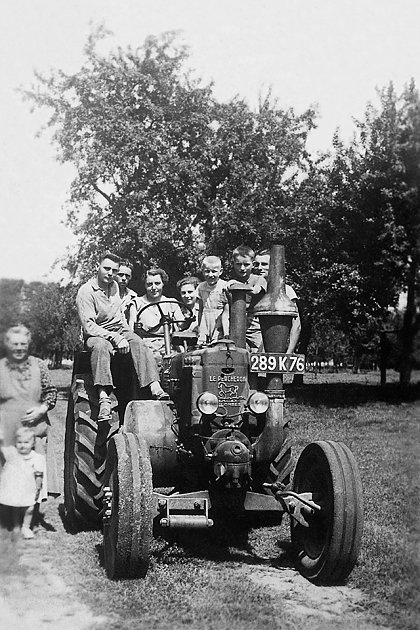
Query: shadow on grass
{"points": [[224, 542], [350, 394], [68, 526], [220, 544], [72, 527], [39, 520]]}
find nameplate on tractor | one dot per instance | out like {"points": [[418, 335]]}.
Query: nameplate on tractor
{"points": [[277, 363]]}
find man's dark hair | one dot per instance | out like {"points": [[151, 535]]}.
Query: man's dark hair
{"points": [[110, 256], [188, 280], [263, 252], [126, 263], [243, 250]]}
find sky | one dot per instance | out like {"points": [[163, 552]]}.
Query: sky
{"points": [[328, 53]]}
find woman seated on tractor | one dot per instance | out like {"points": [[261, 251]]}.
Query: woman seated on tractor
{"points": [[153, 308]]}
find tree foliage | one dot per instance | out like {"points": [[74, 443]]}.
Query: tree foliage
{"points": [[356, 221], [164, 172], [49, 311], [160, 164], [377, 184]]}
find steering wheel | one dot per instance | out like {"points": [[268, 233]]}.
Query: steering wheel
{"points": [[166, 318]]}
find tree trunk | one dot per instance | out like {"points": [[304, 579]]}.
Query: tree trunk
{"points": [[58, 360], [410, 327], [304, 339], [384, 352]]}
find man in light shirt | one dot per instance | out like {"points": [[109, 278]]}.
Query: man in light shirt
{"points": [[105, 331]]}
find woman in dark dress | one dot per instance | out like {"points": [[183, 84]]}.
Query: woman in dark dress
{"points": [[26, 395]]}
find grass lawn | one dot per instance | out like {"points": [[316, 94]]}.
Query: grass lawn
{"points": [[383, 431], [202, 581]]}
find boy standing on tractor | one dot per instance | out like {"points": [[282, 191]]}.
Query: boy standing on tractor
{"points": [[243, 265], [105, 331], [261, 267], [214, 305]]}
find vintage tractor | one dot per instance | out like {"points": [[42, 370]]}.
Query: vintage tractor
{"points": [[218, 450]]}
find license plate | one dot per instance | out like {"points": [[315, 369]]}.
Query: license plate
{"points": [[277, 363]]}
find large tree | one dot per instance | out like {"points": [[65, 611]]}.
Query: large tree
{"points": [[257, 160], [357, 220], [382, 170], [49, 310], [137, 127], [161, 166]]}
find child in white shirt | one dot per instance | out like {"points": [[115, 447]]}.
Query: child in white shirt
{"points": [[214, 306], [22, 481]]}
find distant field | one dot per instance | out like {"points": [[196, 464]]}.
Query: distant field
{"points": [[346, 376]]}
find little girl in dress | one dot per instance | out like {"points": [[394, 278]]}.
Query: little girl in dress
{"points": [[22, 482]]}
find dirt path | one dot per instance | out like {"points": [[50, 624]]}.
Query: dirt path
{"points": [[314, 607], [34, 597]]}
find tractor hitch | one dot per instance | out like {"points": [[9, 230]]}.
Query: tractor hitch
{"points": [[299, 506]]}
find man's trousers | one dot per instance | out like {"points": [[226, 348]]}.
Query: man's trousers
{"points": [[102, 351]]}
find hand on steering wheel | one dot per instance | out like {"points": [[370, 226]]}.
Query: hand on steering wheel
{"points": [[165, 317]]}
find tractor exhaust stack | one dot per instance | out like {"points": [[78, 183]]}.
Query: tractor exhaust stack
{"points": [[275, 310]]}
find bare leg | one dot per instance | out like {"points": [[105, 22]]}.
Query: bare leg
{"points": [[26, 526], [16, 516]]}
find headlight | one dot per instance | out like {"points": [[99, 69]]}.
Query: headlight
{"points": [[258, 402], [207, 403]]}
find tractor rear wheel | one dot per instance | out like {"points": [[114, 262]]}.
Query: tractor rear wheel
{"points": [[327, 550], [127, 507], [86, 445]]}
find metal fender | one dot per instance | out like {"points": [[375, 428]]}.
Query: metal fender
{"points": [[269, 443], [153, 420]]}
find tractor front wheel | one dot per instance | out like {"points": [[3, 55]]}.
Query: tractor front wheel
{"points": [[327, 550], [127, 507]]}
